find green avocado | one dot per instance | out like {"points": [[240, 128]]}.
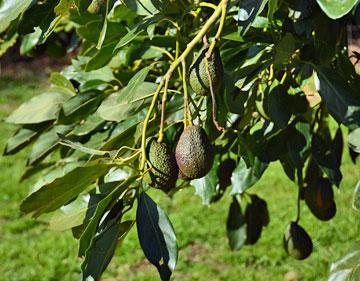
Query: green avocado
{"points": [[164, 170], [297, 242], [194, 153], [319, 197], [198, 77]]}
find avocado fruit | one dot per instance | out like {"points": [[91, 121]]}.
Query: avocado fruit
{"points": [[297, 242], [194, 153], [319, 197], [198, 76], [164, 170]]}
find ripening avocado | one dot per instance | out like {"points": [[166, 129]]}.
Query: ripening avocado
{"points": [[319, 193], [319, 197], [297, 242], [324, 214], [198, 77], [194, 153], [164, 171]]}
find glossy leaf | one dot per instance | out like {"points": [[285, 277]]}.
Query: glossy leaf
{"points": [[206, 187], [326, 159], [46, 143], [339, 98], [236, 226], [123, 104], [89, 232], [75, 213], [156, 235], [24, 137], [57, 193], [248, 11], [40, 108], [336, 8], [10, 10], [103, 248], [245, 177], [354, 140]]}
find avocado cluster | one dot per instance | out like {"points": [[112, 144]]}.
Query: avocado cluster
{"points": [[164, 170], [194, 153], [198, 77], [193, 158], [297, 242], [319, 197]]}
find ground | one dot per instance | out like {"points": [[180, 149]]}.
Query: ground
{"points": [[31, 252]]}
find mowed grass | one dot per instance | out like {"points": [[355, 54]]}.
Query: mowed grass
{"points": [[31, 252]]}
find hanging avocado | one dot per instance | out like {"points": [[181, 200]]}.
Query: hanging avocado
{"points": [[198, 78], [319, 197], [194, 153], [164, 170], [297, 242]]}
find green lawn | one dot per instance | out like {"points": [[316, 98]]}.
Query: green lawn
{"points": [[29, 251]]}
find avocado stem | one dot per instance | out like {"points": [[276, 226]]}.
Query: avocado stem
{"points": [[214, 107], [163, 107], [220, 11]]}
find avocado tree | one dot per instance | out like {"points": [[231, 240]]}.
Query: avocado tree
{"points": [[169, 94]]}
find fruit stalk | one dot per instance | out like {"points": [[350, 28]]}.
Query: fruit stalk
{"points": [[217, 13]]}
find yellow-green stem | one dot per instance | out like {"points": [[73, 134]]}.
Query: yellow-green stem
{"points": [[186, 98], [163, 105], [217, 13]]}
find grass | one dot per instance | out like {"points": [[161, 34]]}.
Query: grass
{"points": [[29, 251]]}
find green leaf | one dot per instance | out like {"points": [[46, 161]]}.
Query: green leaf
{"points": [[284, 50], [347, 268], [6, 44], [325, 158], [336, 8], [40, 108], [248, 11], [59, 192], [127, 102], [24, 137], [80, 106], [63, 7], [32, 170], [101, 58], [46, 143], [142, 7], [276, 106], [88, 234], [256, 216], [338, 145], [356, 197], [62, 82], [354, 140], [156, 235], [30, 40], [75, 213], [342, 103], [10, 10], [206, 187], [245, 177], [135, 31], [38, 15], [103, 248], [236, 226]]}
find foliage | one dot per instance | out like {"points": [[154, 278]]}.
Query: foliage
{"points": [[88, 134]]}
